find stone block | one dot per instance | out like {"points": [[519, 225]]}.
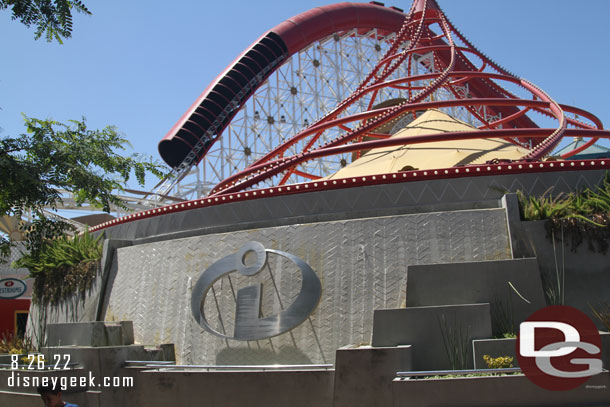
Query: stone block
{"points": [[480, 282], [90, 334], [363, 376], [433, 332]]}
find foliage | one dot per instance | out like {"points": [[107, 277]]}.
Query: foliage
{"points": [[15, 344], [501, 362], [502, 321], [64, 266], [602, 313], [580, 214], [53, 18], [53, 156], [456, 341], [544, 206], [554, 285]]}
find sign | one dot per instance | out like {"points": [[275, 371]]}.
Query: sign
{"points": [[12, 288], [559, 348], [248, 323]]}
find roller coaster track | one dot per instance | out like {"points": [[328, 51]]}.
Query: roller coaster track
{"points": [[497, 100]]}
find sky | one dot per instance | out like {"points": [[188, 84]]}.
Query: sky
{"points": [[139, 65]]}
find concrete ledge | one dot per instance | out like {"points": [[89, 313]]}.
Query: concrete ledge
{"points": [[363, 376], [497, 391], [26, 381], [90, 334], [231, 389], [424, 328], [108, 360]]}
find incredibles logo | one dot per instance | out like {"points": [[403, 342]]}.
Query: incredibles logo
{"points": [[249, 325]]}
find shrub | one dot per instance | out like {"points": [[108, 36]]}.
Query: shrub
{"points": [[15, 344], [501, 362], [63, 267], [581, 214], [602, 313]]}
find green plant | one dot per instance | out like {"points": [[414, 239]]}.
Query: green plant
{"points": [[456, 341], [501, 362], [54, 158], [580, 214], [602, 313], [52, 18], [544, 206], [502, 321], [62, 267], [15, 344], [554, 285]]}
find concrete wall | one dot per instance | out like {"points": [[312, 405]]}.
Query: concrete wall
{"points": [[587, 272], [352, 203], [230, 389], [14, 392], [434, 333], [497, 391], [362, 265], [512, 287], [363, 375]]}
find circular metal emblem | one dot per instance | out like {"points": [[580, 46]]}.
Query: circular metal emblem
{"points": [[248, 323]]}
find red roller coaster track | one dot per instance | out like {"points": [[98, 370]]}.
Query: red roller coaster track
{"points": [[415, 36], [423, 30]]}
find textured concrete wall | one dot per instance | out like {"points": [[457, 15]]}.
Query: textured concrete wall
{"points": [[362, 265], [358, 202]]}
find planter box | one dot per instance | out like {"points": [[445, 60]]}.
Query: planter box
{"points": [[497, 391], [587, 273]]}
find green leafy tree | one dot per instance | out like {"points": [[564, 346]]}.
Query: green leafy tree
{"points": [[53, 156], [53, 18]]}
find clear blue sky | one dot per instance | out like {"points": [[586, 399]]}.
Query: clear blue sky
{"points": [[139, 65]]}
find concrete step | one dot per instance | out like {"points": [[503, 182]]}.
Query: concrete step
{"points": [[97, 333], [437, 334], [513, 288]]}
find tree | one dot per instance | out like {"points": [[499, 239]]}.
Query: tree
{"points": [[52, 17], [54, 156]]}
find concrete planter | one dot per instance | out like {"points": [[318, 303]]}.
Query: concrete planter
{"points": [[587, 273], [497, 391]]}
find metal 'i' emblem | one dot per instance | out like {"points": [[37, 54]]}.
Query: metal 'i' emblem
{"points": [[248, 323]]}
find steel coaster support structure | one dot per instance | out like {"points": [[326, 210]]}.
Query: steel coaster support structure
{"points": [[288, 110]]}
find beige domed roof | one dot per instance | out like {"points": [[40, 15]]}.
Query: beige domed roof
{"points": [[430, 155]]}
